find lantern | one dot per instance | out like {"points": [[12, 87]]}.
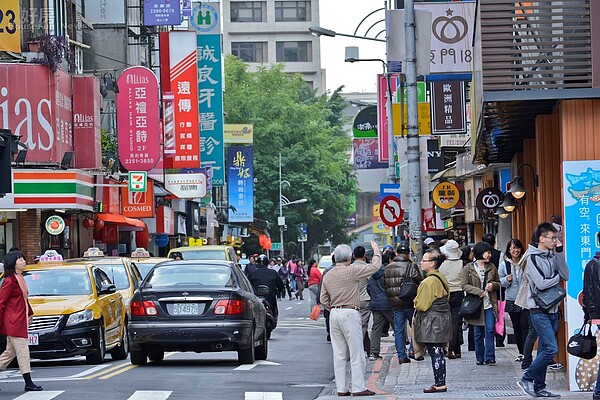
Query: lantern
{"points": [[88, 223], [98, 225]]}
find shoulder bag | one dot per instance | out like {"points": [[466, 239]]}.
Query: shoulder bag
{"points": [[408, 289], [471, 305], [583, 345], [547, 298]]}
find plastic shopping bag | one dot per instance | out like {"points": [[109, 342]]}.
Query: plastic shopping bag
{"points": [[315, 312], [499, 326]]}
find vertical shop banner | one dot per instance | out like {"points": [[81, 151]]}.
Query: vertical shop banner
{"points": [[10, 26], [138, 119], [180, 99], [162, 12], [240, 183], [448, 108], [86, 122], [206, 21], [382, 120], [581, 241]]}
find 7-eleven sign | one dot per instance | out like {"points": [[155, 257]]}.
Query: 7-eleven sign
{"points": [[137, 181]]}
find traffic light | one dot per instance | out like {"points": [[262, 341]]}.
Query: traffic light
{"points": [[8, 148]]}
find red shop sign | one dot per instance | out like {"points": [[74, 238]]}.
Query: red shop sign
{"points": [[138, 119]]}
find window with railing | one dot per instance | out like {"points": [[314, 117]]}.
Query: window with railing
{"points": [[293, 51], [247, 11], [292, 11]]}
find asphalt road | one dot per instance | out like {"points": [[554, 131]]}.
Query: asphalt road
{"points": [[298, 366]]}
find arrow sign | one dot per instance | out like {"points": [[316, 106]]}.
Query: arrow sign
{"points": [[389, 189], [137, 181], [390, 211]]}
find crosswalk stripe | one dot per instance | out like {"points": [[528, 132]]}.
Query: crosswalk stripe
{"points": [[264, 396], [150, 395], [45, 395]]}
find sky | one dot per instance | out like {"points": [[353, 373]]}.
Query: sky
{"points": [[344, 16]]}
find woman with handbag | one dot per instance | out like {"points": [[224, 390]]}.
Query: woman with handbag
{"points": [[432, 319], [452, 269], [480, 278], [511, 277]]}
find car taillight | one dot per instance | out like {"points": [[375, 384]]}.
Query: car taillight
{"points": [[143, 308], [229, 307]]}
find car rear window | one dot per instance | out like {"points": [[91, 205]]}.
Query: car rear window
{"points": [[203, 255], [58, 282], [215, 276], [116, 273]]}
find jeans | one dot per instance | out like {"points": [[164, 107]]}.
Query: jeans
{"points": [[400, 317], [528, 343], [485, 338], [545, 325], [597, 389]]}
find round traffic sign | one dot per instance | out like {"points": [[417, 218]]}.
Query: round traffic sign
{"points": [[390, 211]]}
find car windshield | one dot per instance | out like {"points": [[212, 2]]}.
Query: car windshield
{"points": [[116, 273], [215, 276], [58, 282], [144, 268], [203, 254], [325, 263]]}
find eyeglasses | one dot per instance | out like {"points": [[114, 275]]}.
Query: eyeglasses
{"points": [[424, 260], [553, 238]]}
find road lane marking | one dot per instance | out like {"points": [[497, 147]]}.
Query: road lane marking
{"points": [[264, 396], [248, 367], [89, 371], [119, 371], [106, 371], [288, 308], [45, 395], [150, 395]]}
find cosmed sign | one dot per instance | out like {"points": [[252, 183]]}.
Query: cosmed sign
{"points": [[138, 119]]}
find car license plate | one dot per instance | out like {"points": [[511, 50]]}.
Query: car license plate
{"points": [[33, 339], [186, 309]]}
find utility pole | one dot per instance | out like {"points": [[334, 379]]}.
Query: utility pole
{"points": [[281, 219], [413, 152]]}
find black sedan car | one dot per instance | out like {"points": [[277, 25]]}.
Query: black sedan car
{"points": [[200, 306]]}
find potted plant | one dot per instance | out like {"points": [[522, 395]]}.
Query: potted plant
{"points": [[54, 49]]}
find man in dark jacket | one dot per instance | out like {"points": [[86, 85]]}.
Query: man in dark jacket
{"points": [[263, 275], [400, 270], [380, 306]]}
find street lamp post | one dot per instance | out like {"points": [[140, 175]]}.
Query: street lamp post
{"points": [[284, 201]]}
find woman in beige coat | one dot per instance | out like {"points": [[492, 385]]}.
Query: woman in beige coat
{"points": [[481, 278]]}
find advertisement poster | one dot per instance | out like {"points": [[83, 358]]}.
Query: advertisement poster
{"points": [[162, 12], [581, 240], [366, 154], [240, 183]]}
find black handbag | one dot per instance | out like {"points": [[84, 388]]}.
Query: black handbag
{"points": [[471, 305], [583, 345], [470, 308], [547, 298], [408, 289]]}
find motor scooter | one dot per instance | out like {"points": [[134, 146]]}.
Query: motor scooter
{"points": [[262, 292]]}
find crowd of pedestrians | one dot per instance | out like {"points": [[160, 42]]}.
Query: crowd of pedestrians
{"points": [[428, 310]]}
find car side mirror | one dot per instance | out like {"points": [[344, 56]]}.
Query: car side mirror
{"points": [[108, 289]]}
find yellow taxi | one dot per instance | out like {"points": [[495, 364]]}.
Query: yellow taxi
{"points": [[121, 271], [77, 312], [206, 252], [144, 262]]}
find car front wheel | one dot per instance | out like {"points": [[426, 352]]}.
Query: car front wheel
{"points": [[122, 350], [97, 357]]}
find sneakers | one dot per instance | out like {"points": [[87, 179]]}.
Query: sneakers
{"points": [[555, 367], [527, 387], [519, 358], [545, 393], [374, 357]]}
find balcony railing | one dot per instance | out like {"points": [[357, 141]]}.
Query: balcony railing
{"points": [[528, 45]]}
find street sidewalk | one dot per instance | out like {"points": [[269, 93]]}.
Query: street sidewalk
{"points": [[465, 379]]}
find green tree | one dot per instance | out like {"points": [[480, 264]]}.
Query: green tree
{"points": [[307, 130]]}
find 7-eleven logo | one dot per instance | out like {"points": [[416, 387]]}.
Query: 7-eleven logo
{"points": [[137, 181]]}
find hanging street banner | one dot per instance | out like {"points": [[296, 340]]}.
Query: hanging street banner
{"points": [[365, 123], [448, 108], [10, 26], [366, 154], [138, 204], [240, 183], [138, 119], [580, 238], [180, 86], [239, 133], [162, 12], [206, 22]]}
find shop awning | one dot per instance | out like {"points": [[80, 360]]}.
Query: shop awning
{"points": [[119, 219]]}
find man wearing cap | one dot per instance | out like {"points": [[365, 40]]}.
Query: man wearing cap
{"points": [[429, 243], [400, 270], [451, 268]]}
